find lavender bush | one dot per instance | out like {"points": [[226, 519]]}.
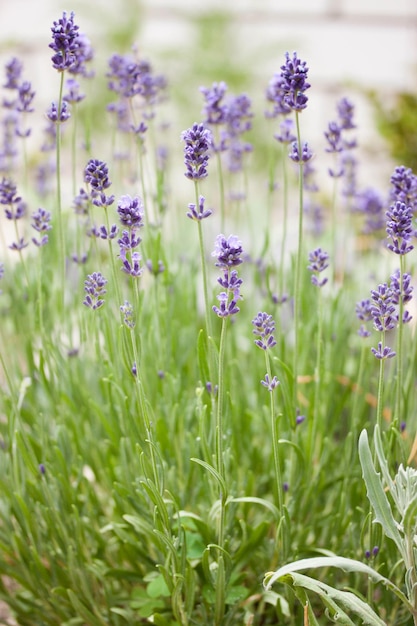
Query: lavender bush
{"points": [[177, 423]]}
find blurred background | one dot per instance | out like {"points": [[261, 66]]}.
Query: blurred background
{"points": [[363, 49]]}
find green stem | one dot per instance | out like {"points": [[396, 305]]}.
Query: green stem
{"points": [[380, 394], [399, 387], [297, 290], [219, 429], [274, 420], [313, 426], [61, 239], [284, 219]]}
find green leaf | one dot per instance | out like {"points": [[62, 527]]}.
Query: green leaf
{"points": [[410, 518], [82, 610], [376, 493], [213, 472], [337, 601], [347, 565], [252, 499]]}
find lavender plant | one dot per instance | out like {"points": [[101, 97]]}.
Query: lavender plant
{"points": [[153, 468]]}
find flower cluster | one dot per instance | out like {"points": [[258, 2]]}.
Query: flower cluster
{"points": [[264, 328], [137, 87], [294, 82], [305, 156], [198, 214], [16, 107], [198, 141], [131, 214], [399, 228], [404, 187], [371, 205], [96, 175], [233, 114], [318, 262], [228, 252], [363, 313], [94, 286], [41, 223], [340, 146], [64, 42]]}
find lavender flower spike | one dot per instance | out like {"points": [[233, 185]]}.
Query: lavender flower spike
{"points": [[294, 82], [64, 42], [382, 353], [198, 141], [130, 211], [399, 227], [94, 286], [318, 263], [228, 251], [264, 330], [270, 384], [198, 214]]}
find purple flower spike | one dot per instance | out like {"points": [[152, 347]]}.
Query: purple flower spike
{"points": [[294, 82], [404, 294], [198, 141], [399, 228], [382, 310], [270, 384], [345, 110], [198, 214], [404, 186], [25, 97], [40, 223], [130, 211], [64, 42], [14, 69], [132, 266], [264, 330], [214, 110], [128, 315], [306, 154], [73, 94], [334, 138], [228, 251], [287, 131], [61, 117], [383, 353], [94, 286], [318, 263], [129, 240], [227, 307], [18, 245], [96, 174]]}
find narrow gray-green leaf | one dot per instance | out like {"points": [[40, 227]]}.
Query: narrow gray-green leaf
{"points": [[376, 493], [347, 565], [338, 600]]}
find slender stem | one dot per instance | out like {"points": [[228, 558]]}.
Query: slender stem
{"points": [[399, 388], [61, 239], [274, 420], [284, 219], [297, 294], [380, 395], [219, 427], [317, 376], [203, 266], [221, 185]]}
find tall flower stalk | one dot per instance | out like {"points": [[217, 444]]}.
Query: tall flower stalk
{"points": [[264, 329], [399, 230], [318, 262], [292, 87], [197, 141], [64, 45], [228, 252]]}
